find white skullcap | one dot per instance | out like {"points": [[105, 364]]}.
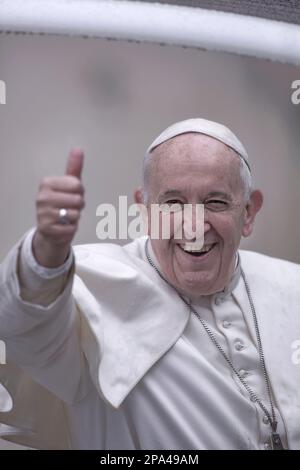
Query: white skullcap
{"points": [[203, 126]]}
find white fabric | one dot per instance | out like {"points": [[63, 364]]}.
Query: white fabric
{"points": [[154, 379], [41, 271], [170, 24], [202, 126]]}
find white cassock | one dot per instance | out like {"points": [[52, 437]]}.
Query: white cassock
{"points": [[123, 364]]}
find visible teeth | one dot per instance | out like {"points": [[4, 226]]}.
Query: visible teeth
{"points": [[194, 247]]}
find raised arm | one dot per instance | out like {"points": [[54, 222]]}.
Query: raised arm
{"points": [[38, 315]]}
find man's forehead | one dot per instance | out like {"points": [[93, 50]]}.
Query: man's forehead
{"points": [[175, 173], [192, 179], [190, 152]]}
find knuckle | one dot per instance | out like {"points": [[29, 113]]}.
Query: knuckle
{"points": [[76, 215], [72, 181], [39, 213], [42, 198], [78, 200], [46, 182], [80, 188], [77, 186]]}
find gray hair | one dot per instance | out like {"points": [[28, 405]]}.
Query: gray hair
{"points": [[246, 178], [245, 175]]}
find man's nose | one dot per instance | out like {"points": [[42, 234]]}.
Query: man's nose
{"points": [[206, 224], [197, 234], [193, 221]]}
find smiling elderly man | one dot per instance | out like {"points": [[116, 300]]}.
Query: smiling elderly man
{"points": [[158, 344]]}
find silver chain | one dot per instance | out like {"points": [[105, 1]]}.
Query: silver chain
{"points": [[253, 397]]}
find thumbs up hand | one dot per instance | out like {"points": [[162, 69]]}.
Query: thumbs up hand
{"points": [[59, 203]]}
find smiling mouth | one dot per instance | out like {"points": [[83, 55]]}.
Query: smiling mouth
{"points": [[198, 253]]}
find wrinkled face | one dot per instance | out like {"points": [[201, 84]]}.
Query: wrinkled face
{"points": [[189, 169]]}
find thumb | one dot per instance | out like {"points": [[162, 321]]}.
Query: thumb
{"points": [[75, 163]]}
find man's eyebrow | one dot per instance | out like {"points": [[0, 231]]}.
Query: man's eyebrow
{"points": [[219, 194], [176, 192], [169, 192]]}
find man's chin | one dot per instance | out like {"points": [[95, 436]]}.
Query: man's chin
{"points": [[196, 284]]}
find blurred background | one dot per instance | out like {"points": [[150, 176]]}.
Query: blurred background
{"points": [[112, 98]]}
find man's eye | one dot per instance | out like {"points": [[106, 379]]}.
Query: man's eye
{"points": [[171, 206], [217, 205]]}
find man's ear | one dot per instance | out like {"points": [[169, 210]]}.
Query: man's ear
{"points": [[138, 196], [139, 199], [253, 206]]}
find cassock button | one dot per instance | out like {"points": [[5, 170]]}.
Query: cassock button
{"points": [[243, 373], [266, 419], [219, 298], [239, 346]]}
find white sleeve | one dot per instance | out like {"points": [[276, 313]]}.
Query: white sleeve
{"points": [[41, 271], [38, 284], [43, 340]]}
